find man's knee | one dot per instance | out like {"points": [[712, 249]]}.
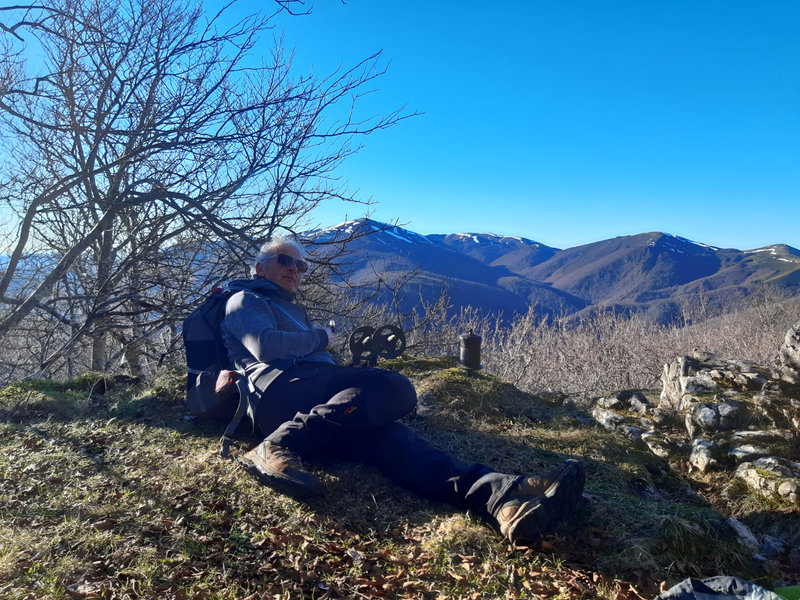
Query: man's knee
{"points": [[398, 391], [391, 396]]}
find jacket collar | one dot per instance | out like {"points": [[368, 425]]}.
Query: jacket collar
{"points": [[262, 286]]}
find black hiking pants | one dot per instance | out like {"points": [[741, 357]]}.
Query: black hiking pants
{"points": [[351, 413]]}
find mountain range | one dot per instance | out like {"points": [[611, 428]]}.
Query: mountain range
{"points": [[657, 274]]}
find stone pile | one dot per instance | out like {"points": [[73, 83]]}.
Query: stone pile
{"points": [[790, 356], [722, 416]]}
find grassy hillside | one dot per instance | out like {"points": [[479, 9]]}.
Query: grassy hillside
{"points": [[109, 490]]}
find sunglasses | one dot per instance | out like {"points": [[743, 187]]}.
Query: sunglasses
{"points": [[287, 261]]}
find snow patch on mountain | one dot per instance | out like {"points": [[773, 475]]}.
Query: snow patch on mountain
{"points": [[369, 227], [779, 252], [666, 239]]}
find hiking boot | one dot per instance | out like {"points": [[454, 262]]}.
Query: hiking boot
{"points": [[282, 470], [536, 504]]}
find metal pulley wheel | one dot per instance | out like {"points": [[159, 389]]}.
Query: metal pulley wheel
{"points": [[367, 344], [390, 341], [361, 345]]}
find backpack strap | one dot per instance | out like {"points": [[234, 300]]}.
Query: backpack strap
{"points": [[246, 391], [245, 386]]}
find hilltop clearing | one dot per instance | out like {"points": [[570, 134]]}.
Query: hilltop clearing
{"points": [[110, 489]]}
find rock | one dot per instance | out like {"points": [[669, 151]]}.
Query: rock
{"points": [[746, 446], [645, 490], [631, 432], [624, 400], [703, 374], [744, 535], [762, 436], [427, 406], [583, 403], [610, 402], [681, 377], [728, 412], [608, 419], [639, 404], [584, 420], [659, 445], [716, 416], [771, 546], [706, 417], [687, 402], [739, 417], [794, 558], [617, 423], [671, 392], [788, 490], [664, 417], [748, 452], [703, 456], [701, 383], [690, 426], [772, 476], [790, 355]]}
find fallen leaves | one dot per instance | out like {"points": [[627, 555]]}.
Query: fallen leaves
{"points": [[104, 524], [141, 506]]}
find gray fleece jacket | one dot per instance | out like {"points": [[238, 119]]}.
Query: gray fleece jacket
{"points": [[271, 330]]}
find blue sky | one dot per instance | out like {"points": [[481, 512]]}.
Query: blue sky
{"points": [[573, 121]]}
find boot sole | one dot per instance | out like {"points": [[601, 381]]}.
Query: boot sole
{"points": [[538, 514], [296, 484]]}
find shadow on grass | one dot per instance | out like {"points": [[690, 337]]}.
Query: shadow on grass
{"points": [[136, 465]]}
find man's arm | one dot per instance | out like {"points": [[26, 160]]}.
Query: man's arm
{"points": [[269, 334]]}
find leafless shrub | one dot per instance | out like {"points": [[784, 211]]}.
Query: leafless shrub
{"points": [[753, 330], [600, 351], [605, 350], [144, 155]]}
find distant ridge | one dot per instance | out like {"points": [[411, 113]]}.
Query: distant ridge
{"points": [[395, 252], [515, 253], [654, 273]]}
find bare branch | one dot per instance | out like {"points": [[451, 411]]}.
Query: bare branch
{"points": [[147, 154]]}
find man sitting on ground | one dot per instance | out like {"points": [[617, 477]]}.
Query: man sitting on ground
{"points": [[306, 405]]}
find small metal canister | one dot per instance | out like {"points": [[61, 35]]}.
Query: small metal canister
{"points": [[470, 351]]}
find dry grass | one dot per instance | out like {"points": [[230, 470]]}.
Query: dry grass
{"points": [[118, 495], [606, 350]]}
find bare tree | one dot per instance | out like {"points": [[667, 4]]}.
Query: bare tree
{"points": [[149, 152]]}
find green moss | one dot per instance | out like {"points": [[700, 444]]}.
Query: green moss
{"points": [[28, 385], [169, 385], [91, 381], [411, 367], [78, 459]]}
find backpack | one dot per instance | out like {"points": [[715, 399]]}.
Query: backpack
{"points": [[211, 387], [214, 389]]}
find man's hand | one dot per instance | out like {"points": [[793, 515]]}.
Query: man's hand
{"points": [[329, 333]]}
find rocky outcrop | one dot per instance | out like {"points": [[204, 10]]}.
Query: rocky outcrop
{"points": [[772, 476], [729, 418], [718, 413], [790, 356], [703, 374], [721, 414]]}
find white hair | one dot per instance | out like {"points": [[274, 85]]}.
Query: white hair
{"points": [[272, 247]]}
